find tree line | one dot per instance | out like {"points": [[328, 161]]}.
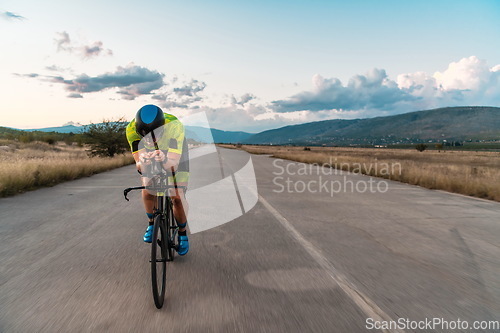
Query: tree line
{"points": [[103, 139]]}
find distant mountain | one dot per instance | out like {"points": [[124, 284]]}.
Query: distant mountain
{"points": [[60, 129], [454, 123], [9, 130], [29, 135], [229, 136], [204, 134]]}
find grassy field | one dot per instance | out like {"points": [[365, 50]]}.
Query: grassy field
{"points": [[32, 165], [466, 172]]}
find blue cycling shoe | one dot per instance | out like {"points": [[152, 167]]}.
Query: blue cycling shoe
{"points": [[148, 236], [183, 247]]}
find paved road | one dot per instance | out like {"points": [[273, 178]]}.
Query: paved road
{"points": [[72, 258]]}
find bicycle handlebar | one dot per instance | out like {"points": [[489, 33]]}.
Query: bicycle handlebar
{"points": [[156, 166], [125, 191], [166, 187]]}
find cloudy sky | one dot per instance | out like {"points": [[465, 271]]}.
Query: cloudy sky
{"points": [[250, 65]]}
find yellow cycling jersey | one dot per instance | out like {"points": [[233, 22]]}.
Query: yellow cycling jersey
{"points": [[172, 139]]}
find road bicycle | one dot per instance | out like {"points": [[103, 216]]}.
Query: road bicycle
{"points": [[164, 241]]}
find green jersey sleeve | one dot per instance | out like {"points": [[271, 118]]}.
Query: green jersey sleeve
{"points": [[133, 137], [174, 135]]}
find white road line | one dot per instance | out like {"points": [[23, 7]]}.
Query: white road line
{"points": [[362, 301]]}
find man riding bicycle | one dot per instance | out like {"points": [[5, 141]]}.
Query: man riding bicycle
{"points": [[155, 135]]}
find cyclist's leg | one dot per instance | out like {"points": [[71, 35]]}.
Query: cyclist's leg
{"points": [[148, 197], [179, 198], [180, 213], [180, 208], [149, 201]]}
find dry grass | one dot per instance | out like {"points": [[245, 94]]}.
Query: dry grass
{"points": [[29, 166], [466, 172]]}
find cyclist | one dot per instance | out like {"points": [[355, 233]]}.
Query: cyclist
{"points": [[149, 127]]}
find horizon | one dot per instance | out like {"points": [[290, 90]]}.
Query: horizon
{"points": [[248, 67], [207, 126]]}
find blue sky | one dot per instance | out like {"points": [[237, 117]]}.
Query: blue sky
{"points": [[247, 65]]}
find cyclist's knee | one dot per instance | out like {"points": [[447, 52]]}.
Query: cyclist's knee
{"points": [[147, 195], [176, 200], [177, 197]]}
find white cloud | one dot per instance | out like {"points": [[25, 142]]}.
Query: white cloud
{"points": [[468, 81], [467, 74], [241, 118], [250, 117], [63, 41], [374, 91], [180, 94], [94, 49], [72, 123], [132, 81], [245, 98]]}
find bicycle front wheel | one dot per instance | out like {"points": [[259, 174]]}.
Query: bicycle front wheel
{"points": [[171, 231], [159, 253]]}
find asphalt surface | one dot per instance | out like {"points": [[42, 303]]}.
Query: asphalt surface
{"points": [[72, 257]]}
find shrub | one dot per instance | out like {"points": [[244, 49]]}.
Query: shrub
{"points": [[25, 138], [106, 139], [421, 147], [50, 140], [41, 146]]}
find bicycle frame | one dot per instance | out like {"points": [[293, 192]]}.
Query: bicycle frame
{"points": [[164, 224], [161, 187]]}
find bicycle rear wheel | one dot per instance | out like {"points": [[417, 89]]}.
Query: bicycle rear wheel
{"points": [[159, 257]]}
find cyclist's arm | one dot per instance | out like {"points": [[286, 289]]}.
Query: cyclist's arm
{"points": [[134, 139], [172, 161], [142, 159], [176, 138], [137, 161]]}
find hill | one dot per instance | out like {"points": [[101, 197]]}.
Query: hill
{"points": [[60, 129], [203, 134], [451, 124]]}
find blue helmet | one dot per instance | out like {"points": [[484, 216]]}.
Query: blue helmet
{"points": [[148, 118]]}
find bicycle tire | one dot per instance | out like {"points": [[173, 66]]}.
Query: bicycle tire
{"points": [[170, 231], [159, 261]]}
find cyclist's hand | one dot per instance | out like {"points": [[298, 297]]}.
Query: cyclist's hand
{"points": [[145, 158], [159, 155]]}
